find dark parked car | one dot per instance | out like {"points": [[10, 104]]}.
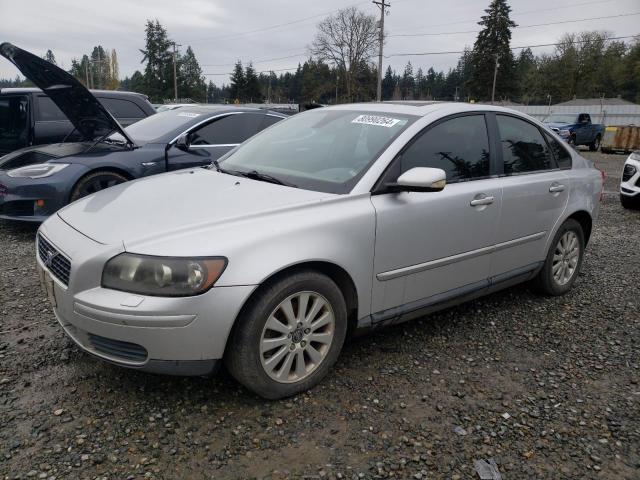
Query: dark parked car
{"points": [[577, 129], [36, 181], [29, 117]]}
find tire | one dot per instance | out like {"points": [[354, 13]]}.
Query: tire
{"points": [[94, 182], [272, 371], [595, 145], [631, 203], [548, 283]]}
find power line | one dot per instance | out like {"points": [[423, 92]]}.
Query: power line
{"points": [[441, 53], [261, 71], [271, 27], [256, 61], [512, 48], [518, 27], [514, 13]]}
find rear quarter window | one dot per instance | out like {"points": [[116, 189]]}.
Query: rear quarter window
{"points": [[121, 108], [49, 111], [562, 155]]}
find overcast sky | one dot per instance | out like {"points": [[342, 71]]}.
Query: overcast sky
{"points": [[220, 32]]}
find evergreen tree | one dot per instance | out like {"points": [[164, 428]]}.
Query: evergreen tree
{"points": [[50, 57], [493, 42], [407, 84], [388, 84], [158, 71], [252, 90], [238, 83], [99, 67], [191, 80]]}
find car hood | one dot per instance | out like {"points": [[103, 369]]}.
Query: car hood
{"points": [[178, 202], [84, 111], [40, 154]]}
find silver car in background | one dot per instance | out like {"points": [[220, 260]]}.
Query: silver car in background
{"points": [[336, 219]]}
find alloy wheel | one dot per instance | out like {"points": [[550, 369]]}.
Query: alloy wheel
{"points": [[565, 258], [297, 337]]}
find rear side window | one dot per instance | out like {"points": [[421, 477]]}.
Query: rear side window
{"points": [[459, 146], [49, 111], [231, 129], [523, 147], [562, 156], [120, 108]]}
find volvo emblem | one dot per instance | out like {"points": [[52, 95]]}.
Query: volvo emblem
{"points": [[50, 256]]}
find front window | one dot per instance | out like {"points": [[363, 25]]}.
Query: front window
{"points": [[322, 149]]}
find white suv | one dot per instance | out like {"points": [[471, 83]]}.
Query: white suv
{"points": [[630, 184]]}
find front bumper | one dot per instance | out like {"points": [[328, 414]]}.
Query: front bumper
{"points": [[181, 336], [31, 200], [631, 186]]}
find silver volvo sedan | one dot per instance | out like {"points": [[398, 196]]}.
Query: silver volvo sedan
{"points": [[337, 219]]}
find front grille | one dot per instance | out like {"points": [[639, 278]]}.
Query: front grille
{"points": [[628, 172], [119, 349], [56, 262]]}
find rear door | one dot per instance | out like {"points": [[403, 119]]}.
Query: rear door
{"points": [[535, 191], [14, 122], [210, 141], [435, 245]]}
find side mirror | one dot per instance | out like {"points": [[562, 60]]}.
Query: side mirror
{"points": [[182, 142], [420, 179]]}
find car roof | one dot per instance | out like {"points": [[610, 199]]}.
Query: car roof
{"points": [[422, 108], [215, 108], [115, 93]]}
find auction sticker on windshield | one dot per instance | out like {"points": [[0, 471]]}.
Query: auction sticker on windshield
{"points": [[376, 120], [188, 114]]}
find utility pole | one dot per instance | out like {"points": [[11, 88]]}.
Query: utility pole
{"points": [[381, 5], [86, 73], [175, 72], [495, 76]]}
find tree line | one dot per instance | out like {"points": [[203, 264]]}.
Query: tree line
{"points": [[340, 68]]}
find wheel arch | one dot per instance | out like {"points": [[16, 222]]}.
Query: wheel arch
{"points": [[109, 168], [586, 222], [338, 274]]}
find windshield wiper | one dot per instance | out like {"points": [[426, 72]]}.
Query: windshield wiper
{"points": [[252, 174], [264, 177]]}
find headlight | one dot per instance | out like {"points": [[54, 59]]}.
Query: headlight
{"points": [[39, 170], [564, 133], [162, 276]]}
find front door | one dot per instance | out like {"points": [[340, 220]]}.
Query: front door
{"points": [[535, 193], [435, 245], [211, 141]]}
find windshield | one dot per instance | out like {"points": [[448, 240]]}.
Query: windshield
{"points": [[156, 126], [323, 149], [560, 118]]}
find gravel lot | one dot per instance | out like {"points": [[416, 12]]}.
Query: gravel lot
{"points": [[548, 387]]}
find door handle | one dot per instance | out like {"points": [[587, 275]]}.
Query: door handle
{"points": [[481, 199], [556, 188]]}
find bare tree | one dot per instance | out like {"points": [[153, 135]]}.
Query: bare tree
{"points": [[346, 39]]}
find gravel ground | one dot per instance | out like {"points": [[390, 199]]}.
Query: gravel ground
{"points": [[547, 387]]}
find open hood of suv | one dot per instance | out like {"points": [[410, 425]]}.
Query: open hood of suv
{"points": [[83, 110]]}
